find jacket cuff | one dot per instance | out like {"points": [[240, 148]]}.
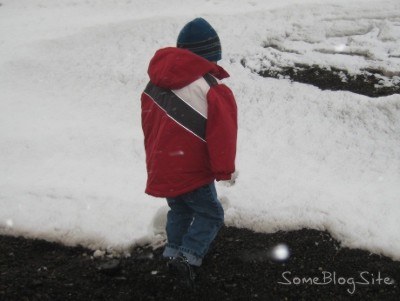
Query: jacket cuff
{"points": [[222, 177]]}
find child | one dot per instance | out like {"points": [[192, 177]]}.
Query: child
{"points": [[189, 120]]}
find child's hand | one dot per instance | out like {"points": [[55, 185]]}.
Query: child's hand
{"points": [[232, 181]]}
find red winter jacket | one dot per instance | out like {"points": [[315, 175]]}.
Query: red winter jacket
{"points": [[189, 121]]}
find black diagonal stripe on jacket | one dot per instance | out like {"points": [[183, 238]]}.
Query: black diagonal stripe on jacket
{"points": [[178, 110]]}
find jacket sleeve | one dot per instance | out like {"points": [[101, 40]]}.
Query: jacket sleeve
{"points": [[221, 132]]}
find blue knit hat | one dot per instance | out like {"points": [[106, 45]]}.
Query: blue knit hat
{"points": [[200, 37]]}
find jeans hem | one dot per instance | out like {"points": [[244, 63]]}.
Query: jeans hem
{"points": [[170, 251], [191, 257]]}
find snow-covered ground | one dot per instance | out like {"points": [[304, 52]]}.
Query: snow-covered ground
{"points": [[71, 145]]}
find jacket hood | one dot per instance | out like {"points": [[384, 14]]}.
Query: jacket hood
{"points": [[175, 68]]}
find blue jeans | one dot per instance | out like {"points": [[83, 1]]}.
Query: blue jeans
{"points": [[193, 222]]}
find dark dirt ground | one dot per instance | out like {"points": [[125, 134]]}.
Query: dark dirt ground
{"points": [[238, 266], [368, 82]]}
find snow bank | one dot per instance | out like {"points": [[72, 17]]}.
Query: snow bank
{"points": [[72, 159]]}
